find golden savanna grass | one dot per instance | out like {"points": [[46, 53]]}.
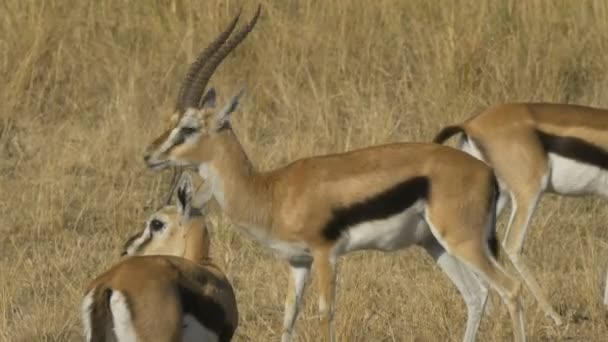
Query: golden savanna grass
{"points": [[85, 85]]}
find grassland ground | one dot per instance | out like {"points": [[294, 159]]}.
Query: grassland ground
{"points": [[85, 85]]}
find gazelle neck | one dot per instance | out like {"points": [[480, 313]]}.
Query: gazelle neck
{"points": [[243, 193], [197, 242]]}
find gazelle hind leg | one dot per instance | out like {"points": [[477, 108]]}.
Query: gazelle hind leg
{"points": [[521, 213], [297, 282], [472, 291], [601, 185], [475, 255], [471, 248]]}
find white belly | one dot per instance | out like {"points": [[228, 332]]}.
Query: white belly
{"points": [[193, 331], [283, 249], [569, 177], [392, 233]]}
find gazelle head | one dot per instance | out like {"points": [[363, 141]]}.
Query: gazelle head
{"points": [[190, 142], [195, 118], [177, 230]]}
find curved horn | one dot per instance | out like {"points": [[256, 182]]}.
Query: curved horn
{"points": [[194, 93], [200, 61]]}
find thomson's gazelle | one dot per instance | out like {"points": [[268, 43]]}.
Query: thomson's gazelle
{"points": [[536, 148], [166, 289], [316, 209]]}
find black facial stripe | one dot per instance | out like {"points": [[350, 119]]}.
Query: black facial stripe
{"points": [[186, 131], [132, 240], [574, 148], [382, 205], [181, 136], [179, 139], [129, 242]]}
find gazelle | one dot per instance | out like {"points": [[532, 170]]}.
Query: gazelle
{"points": [[536, 148], [166, 289], [316, 209]]}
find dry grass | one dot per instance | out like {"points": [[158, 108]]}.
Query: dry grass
{"points": [[85, 85]]}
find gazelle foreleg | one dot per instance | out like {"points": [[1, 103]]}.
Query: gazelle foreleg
{"points": [[299, 271], [325, 267], [473, 292], [521, 213]]}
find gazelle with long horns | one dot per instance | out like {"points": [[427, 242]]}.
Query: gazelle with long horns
{"points": [[536, 148], [316, 209], [166, 289]]}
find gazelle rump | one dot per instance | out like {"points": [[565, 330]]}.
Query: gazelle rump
{"points": [[536, 148], [383, 197], [166, 288]]}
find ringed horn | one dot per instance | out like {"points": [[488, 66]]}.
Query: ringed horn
{"points": [[201, 70]]}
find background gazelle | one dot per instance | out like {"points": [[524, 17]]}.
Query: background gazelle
{"points": [[316, 209], [166, 289], [536, 148]]}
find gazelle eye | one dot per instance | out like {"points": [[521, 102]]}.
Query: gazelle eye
{"points": [[188, 130], [156, 225]]}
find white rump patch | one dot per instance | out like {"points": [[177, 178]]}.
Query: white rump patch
{"points": [[468, 146], [194, 331], [86, 308], [121, 316]]}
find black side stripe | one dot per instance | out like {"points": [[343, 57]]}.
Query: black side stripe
{"points": [[574, 148], [383, 205]]}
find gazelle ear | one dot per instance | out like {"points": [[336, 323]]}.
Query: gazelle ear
{"points": [[208, 100], [184, 194], [223, 116]]}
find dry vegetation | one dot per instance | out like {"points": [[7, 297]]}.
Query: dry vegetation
{"points": [[85, 85]]}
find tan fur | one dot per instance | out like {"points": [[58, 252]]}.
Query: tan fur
{"points": [[293, 203], [151, 278], [506, 136]]}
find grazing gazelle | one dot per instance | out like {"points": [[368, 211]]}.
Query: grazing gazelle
{"points": [[166, 289], [316, 209], [536, 148]]}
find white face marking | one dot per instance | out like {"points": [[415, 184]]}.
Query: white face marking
{"points": [[209, 175], [121, 317], [392, 233], [189, 120], [570, 177], [86, 308], [193, 331], [132, 248]]}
